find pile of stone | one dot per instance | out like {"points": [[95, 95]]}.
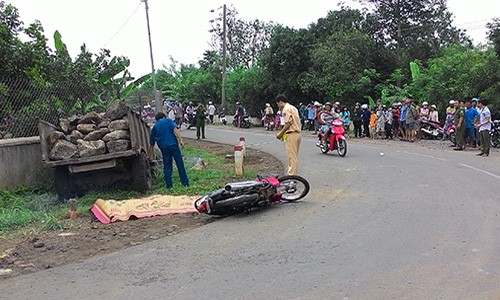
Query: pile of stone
{"points": [[91, 134]]}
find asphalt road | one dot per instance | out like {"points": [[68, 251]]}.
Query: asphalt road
{"points": [[411, 224]]}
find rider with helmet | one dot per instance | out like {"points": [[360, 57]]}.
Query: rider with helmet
{"points": [[424, 111], [325, 118]]}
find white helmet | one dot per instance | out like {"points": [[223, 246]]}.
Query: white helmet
{"points": [[209, 102], [452, 102], [425, 103]]}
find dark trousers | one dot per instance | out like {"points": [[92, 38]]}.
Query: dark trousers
{"points": [[485, 139], [459, 137], [366, 128], [173, 152], [357, 128], [310, 124], [200, 128], [388, 131]]}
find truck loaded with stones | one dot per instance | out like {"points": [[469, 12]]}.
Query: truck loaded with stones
{"points": [[97, 149]]}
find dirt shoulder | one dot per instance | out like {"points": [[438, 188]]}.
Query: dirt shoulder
{"points": [[87, 237]]}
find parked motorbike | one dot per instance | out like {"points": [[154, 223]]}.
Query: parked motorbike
{"points": [[222, 118], [495, 134], [245, 121], [430, 130], [269, 122], [336, 141], [189, 120], [450, 133], [247, 195]]}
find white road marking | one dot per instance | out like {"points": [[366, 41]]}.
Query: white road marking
{"points": [[482, 171]]}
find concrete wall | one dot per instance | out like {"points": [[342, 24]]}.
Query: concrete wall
{"points": [[21, 163]]}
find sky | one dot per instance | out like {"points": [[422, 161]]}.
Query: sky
{"points": [[180, 29]]}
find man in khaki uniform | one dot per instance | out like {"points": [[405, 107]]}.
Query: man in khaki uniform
{"points": [[292, 130]]}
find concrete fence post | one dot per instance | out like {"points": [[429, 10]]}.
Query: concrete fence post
{"points": [[242, 144], [238, 160]]}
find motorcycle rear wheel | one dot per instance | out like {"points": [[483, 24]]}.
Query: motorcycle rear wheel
{"points": [[293, 187], [342, 147]]}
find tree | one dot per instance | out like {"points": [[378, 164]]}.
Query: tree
{"points": [[338, 65], [245, 39], [494, 34], [417, 29], [286, 61], [39, 82]]}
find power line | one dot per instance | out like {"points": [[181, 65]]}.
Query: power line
{"points": [[123, 25]]}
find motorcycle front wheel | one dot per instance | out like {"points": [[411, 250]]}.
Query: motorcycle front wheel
{"points": [[293, 187], [324, 148], [342, 147]]}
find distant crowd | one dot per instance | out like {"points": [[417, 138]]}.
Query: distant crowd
{"points": [[406, 120]]}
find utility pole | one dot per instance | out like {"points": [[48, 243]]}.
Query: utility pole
{"points": [[224, 46], [158, 105]]}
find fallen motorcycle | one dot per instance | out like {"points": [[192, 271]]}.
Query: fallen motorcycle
{"points": [[244, 196]]}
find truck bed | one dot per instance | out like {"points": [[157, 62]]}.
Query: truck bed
{"points": [[139, 140]]}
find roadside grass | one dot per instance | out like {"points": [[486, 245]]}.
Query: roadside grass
{"points": [[31, 210]]}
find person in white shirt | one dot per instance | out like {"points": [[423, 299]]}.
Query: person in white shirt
{"points": [[211, 111], [484, 127], [433, 114]]}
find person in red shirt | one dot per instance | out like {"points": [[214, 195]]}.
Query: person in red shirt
{"points": [[396, 113]]}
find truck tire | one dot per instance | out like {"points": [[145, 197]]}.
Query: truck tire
{"points": [[64, 184], [140, 172]]}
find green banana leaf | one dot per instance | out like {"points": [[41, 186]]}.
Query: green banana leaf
{"points": [[415, 71], [58, 43], [371, 101], [133, 85]]}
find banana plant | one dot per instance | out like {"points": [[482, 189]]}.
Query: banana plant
{"points": [[133, 85]]}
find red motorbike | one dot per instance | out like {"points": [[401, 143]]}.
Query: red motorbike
{"points": [[336, 141], [244, 196]]}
